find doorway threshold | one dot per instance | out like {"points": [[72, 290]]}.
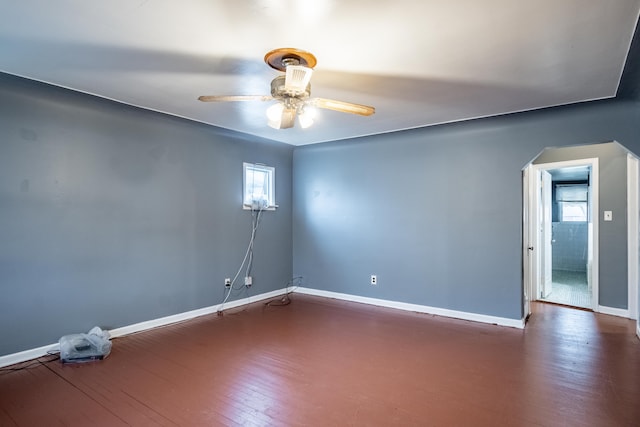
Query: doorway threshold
{"points": [[576, 307]]}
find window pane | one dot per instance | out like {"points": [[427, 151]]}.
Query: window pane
{"points": [[574, 211], [257, 188], [572, 193]]}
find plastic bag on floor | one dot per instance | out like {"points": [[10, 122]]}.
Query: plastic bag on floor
{"points": [[78, 348]]}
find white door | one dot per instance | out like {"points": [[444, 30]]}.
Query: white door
{"points": [[546, 229]]}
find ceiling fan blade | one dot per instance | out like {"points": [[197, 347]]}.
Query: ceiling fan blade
{"points": [[222, 98], [343, 107]]}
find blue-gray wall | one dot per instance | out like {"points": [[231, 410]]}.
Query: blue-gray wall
{"points": [[112, 215], [612, 171], [436, 213]]}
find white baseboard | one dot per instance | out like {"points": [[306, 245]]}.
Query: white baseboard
{"points": [[620, 312], [23, 356], [163, 321], [502, 321]]}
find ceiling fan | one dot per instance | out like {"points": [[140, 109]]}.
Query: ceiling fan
{"points": [[292, 91]]}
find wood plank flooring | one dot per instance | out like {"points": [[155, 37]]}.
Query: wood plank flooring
{"points": [[323, 362]]}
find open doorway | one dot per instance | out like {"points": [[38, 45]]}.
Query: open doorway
{"points": [[561, 233], [568, 192], [613, 273]]}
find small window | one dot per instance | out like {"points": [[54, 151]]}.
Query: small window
{"points": [[573, 201], [259, 187]]}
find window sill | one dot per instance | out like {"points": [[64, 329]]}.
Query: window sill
{"points": [[269, 208]]}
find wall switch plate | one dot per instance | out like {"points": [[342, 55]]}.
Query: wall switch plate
{"points": [[608, 215], [374, 279]]}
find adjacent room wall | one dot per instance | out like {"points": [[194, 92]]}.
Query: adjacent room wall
{"points": [[111, 215], [436, 213], [612, 170], [570, 241]]}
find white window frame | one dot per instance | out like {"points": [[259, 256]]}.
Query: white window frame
{"points": [[577, 202], [269, 188]]}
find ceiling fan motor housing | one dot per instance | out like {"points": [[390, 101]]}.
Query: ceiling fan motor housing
{"points": [[279, 89]]}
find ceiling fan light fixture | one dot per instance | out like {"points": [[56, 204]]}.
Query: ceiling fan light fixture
{"points": [[275, 111], [281, 116], [306, 117], [274, 115]]}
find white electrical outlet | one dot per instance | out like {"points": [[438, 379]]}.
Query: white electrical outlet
{"points": [[227, 282], [248, 281], [374, 279]]}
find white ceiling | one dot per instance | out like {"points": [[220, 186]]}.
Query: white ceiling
{"points": [[419, 63]]}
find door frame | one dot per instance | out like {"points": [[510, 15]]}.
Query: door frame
{"points": [[531, 237], [633, 236], [527, 248]]}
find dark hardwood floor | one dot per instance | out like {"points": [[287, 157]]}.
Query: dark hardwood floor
{"points": [[322, 362]]}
